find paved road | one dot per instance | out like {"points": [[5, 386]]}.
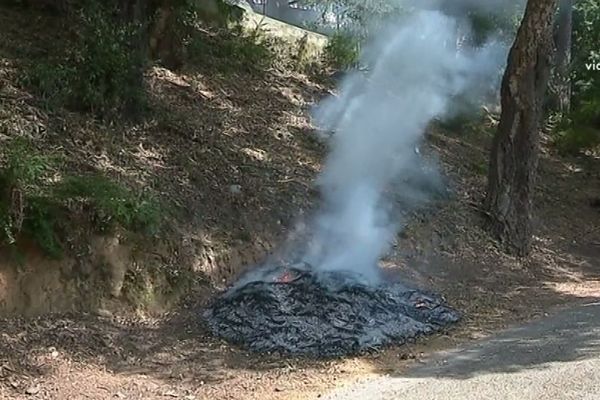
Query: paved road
{"points": [[554, 358]]}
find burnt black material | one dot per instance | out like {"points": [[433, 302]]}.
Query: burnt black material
{"points": [[297, 312]]}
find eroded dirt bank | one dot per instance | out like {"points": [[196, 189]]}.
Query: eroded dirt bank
{"points": [[230, 157]]}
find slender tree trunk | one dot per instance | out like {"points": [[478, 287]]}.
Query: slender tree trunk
{"points": [[563, 42], [165, 45], [514, 155]]}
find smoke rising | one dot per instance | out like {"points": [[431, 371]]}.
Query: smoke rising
{"points": [[380, 119], [460, 7]]}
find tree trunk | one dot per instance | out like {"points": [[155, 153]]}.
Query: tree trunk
{"points": [[514, 155], [165, 45], [563, 42]]}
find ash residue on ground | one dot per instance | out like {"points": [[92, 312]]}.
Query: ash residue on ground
{"points": [[295, 311]]}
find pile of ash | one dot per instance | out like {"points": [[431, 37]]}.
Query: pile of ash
{"points": [[296, 311]]}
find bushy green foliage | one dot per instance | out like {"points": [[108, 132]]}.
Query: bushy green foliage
{"points": [[42, 223], [50, 79], [459, 122], [24, 167], [577, 138], [219, 13], [6, 233], [588, 111], [480, 168], [342, 51], [232, 50], [113, 203], [586, 39], [580, 129], [100, 71], [41, 211], [107, 64], [22, 204], [501, 25]]}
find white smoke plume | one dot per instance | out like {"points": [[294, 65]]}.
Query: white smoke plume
{"points": [[380, 118]]}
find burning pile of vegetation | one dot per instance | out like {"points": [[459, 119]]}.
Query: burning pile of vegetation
{"points": [[371, 179], [298, 311]]}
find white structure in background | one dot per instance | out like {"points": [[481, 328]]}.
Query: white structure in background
{"points": [[295, 12]]}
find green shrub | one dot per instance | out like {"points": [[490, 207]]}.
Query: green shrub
{"points": [[577, 138], [468, 117], [49, 79], [342, 51], [107, 64], [588, 111], [23, 207], [500, 25], [7, 234], [41, 223], [113, 203], [232, 50], [101, 71], [220, 13], [586, 84], [580, 130], [24, 166], [34, 206], [458, 123]]}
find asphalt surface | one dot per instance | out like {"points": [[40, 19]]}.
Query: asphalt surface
{"points": [[557, 357]]}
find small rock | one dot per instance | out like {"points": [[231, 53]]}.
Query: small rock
{"points": [[32, 390], [101, 312], [235, 189]]}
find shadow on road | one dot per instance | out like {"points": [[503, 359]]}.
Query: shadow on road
{"points": [[570, 335]]}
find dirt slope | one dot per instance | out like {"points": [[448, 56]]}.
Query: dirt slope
{"points": [[238, 158], [231, 156]]}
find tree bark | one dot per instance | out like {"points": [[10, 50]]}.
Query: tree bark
{"points": [[563, 42], [165, 45], [514, 155]]}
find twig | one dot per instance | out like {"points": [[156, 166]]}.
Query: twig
{"points": [[478, 208]]}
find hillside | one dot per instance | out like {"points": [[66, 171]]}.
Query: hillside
{"points": [[229, 157], [231, 160]]}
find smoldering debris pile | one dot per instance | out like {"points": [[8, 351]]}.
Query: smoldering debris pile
{"points": [[296, 311], [416, 72]]}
